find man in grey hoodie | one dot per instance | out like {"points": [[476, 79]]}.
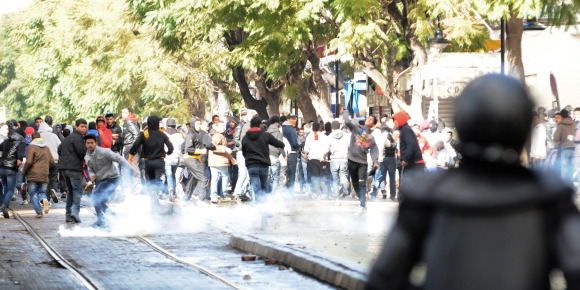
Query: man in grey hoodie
{"points": [[339, 143], [102, 169], [360, 144], [195, 145], [52, 141]]}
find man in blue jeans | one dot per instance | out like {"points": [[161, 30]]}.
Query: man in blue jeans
{"points": [[13, 149], [72, 152], [290, 134], [101, 166], [257, 156]]}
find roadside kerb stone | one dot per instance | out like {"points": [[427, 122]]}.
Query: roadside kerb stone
{"points": [[330, 272]]}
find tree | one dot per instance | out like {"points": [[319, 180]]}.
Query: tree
{"points": [[83, 58], [264, 42]]}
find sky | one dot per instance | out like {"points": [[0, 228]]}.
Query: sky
{"points": [[7, 6]]}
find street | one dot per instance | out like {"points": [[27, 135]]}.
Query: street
{"points": [[117, 257]]}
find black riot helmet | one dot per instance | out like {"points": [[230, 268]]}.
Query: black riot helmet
{"points": [[493, 118]]}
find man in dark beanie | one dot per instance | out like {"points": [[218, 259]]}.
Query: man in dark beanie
{"points": [[256, 153], [154, 142], [490, 224]]}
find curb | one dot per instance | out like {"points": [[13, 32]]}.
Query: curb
{"points": [[335, 274]]}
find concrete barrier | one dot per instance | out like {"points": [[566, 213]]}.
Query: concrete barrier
{"points": [[335, 274]]}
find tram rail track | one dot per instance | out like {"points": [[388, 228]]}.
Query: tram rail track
{"points": [[81, 277], [175, 258], [89, 283]]}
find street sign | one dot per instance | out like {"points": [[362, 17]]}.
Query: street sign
{"points": [[554, 88], [553, 85]]}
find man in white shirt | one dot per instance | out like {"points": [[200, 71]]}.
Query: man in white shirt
{"points": [[538, 149]]}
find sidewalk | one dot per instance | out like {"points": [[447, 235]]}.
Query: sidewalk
{"points": [[333, 232]]}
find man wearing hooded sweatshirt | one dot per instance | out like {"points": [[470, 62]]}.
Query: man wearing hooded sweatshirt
{"points": [[274, 130], [257, 157], [339, 142], [174, 158], [154, 142], [52, 142], [13, 149], [564, 136], [411, 157], [72, 156], [360, 144], [38, 161], [105, 134], [196, 145]]}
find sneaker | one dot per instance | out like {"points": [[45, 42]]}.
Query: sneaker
{"points": [[14, 197], [24, 202], [214, 199], [338, 202], [361, 210], [45, 205], [75, 218], [39, 215], [99, 224], [89, 186], [53, 196], [24, 194], [68, 219], [4, 211]]}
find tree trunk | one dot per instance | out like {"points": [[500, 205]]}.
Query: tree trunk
{"points": [[319, 96], [196, 106], [258, 105], [303, 101], [271, 95], [514, 32]]}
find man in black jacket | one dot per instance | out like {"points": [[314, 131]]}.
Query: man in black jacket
{"points": [[196, 144], [257, 155], [411, 158], [72, 153], [491, 223], [117, 145], [12, 153], [154, 142]]}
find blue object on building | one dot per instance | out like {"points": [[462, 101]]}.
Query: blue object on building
{"points": [[352, 93]]}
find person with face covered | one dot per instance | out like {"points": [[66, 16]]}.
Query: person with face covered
{"points": [[491, 223], [195, 146], [153, 151]]}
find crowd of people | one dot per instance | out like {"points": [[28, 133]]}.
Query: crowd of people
{"points": [[555, 142], [240, 158]]}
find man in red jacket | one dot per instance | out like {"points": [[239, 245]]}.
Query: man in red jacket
{"points": [[104, 133]]}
